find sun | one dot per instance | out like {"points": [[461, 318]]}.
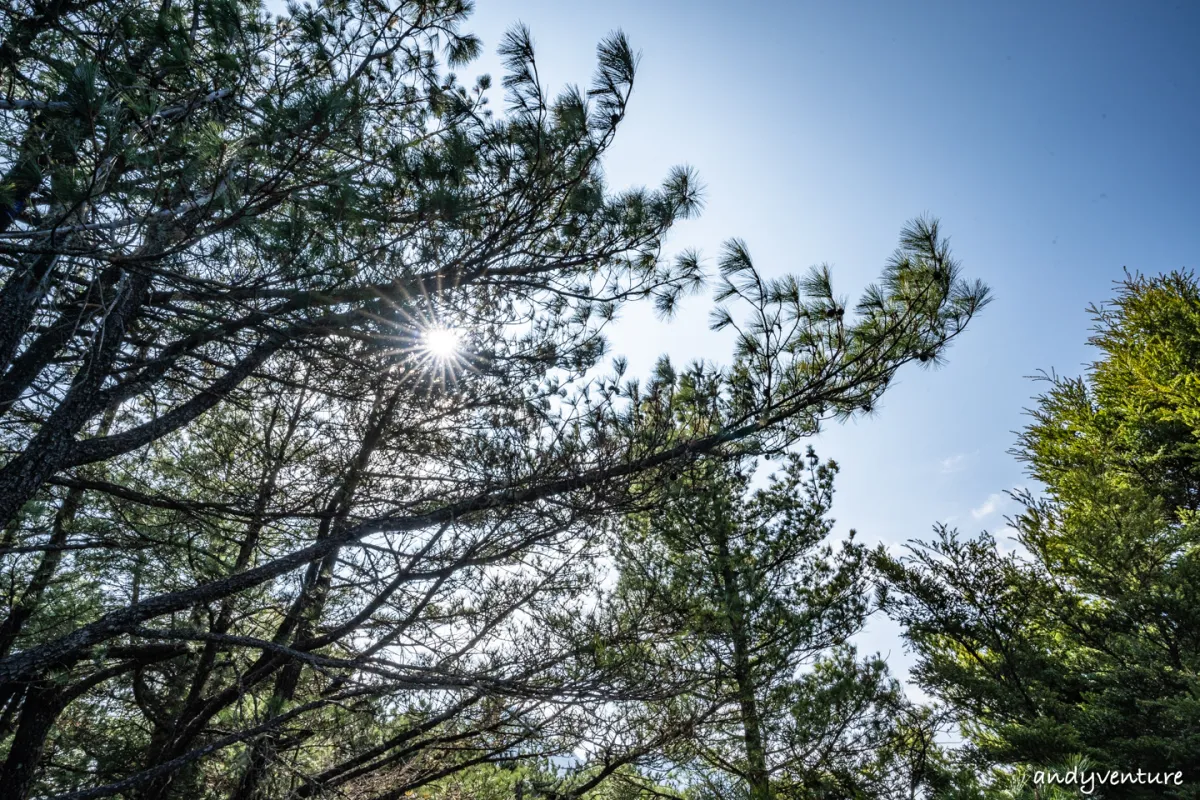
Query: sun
{"points": [[430, 349], [441, 343]]}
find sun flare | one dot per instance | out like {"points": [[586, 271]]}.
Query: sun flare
{"points": [[442, 343]]}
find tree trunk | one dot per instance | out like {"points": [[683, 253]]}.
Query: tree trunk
{"points": [[31, 598], [739, 630], [41, 707], [23, 476]]}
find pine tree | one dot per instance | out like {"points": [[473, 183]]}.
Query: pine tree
{"points": [[307, 454], [755, 608], [762, 611]]}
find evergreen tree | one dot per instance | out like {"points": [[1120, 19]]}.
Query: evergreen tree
{"points": [[306, 454], [1084, 644], [757, 609], [763, 610]]}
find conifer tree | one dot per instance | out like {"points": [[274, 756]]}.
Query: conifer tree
{"points": [[757, 609], [763, 610], [1082, 644], [306, 452]]}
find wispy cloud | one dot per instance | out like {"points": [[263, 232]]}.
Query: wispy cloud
{"points": [[989, 506], [955, 463]]}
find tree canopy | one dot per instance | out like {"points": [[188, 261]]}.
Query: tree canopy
{"points": [[1081, 646], [307, 448], [756, 608]]}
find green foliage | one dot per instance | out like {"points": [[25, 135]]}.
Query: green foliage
{"points": [[756, 607], [263, 536], [1135, 419], [1083, 643]]}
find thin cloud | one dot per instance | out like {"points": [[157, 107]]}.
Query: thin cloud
{"points": [[989, 506], [955, 463]]}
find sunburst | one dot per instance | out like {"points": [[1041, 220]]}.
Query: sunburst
{"points": [[427, 345], [437, 351], [441, 343]]}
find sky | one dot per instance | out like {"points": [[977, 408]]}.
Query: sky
{"points": [[1056, 142]]}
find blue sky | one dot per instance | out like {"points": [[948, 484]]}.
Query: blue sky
{"points": [[1056, 142]]}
